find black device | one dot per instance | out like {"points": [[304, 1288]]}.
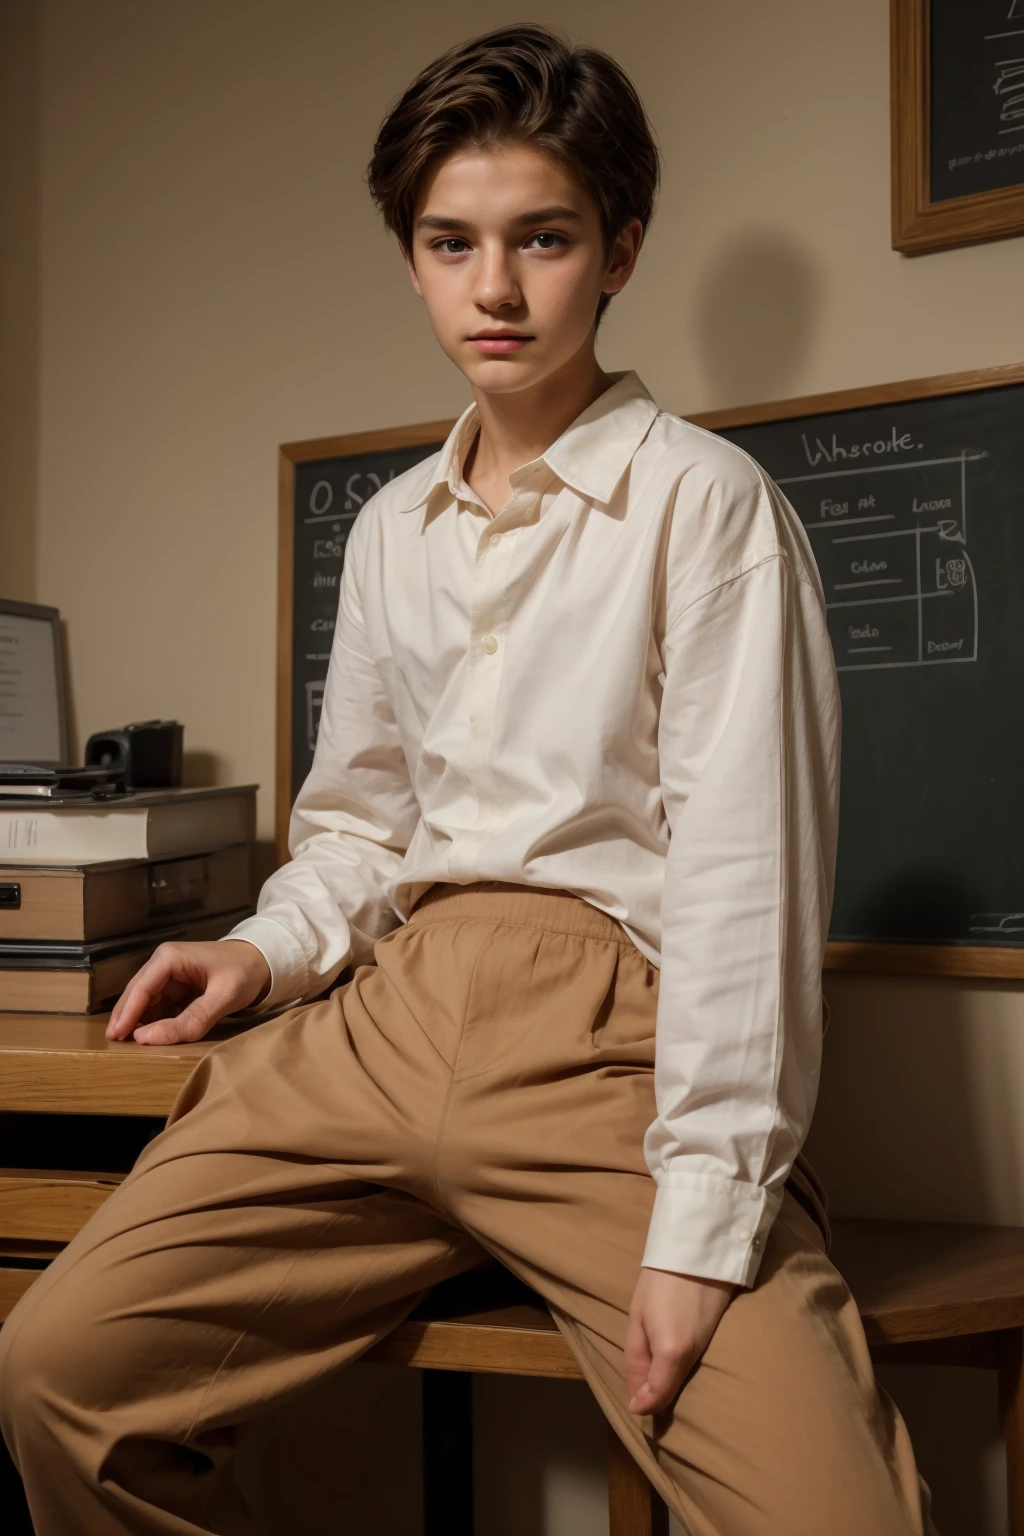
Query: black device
{"points": [[146, 754]]}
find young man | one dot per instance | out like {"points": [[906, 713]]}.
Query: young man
{"points": [[572, 817]]}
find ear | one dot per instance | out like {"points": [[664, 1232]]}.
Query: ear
{"points": [[622, 257], [412, 272]]}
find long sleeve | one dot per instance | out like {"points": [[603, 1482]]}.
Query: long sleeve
{"points": [[350, 826], [748, 748]]}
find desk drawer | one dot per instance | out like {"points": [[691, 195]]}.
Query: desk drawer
{"points": [[49, 1205]]}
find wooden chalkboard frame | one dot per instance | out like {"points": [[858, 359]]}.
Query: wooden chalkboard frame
{"points": [[964, 960], [920, 225], [290, 455]]}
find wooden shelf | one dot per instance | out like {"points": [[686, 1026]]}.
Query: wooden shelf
{"points": [[918, 1280], [13, 1285], [915, 1283], [520, 1340], [49, 1205]]}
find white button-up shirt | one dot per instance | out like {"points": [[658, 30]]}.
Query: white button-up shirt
{"points": [[621, 685]]}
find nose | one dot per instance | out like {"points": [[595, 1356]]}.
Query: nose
{"points": [[496, 284]]}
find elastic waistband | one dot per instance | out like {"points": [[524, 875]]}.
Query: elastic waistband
{"points": [[523, 906]]}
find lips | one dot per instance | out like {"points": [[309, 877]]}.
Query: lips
{"points": [[498, 342]]}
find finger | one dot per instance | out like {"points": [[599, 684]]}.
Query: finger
{"points": [[144, 988], [192, 1023], [637, 1357], [169, 1031], [668, 1371], [163, 1008], [174, 999], [179, 992]]}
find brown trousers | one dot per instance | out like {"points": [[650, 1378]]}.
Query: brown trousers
{"points": [[483, 1089]]}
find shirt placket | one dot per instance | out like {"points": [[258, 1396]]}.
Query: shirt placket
{"points": [[488, 640]]}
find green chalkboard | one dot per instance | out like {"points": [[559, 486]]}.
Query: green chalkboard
{"points": [[322, 485], [913, 498], [976, 96]]}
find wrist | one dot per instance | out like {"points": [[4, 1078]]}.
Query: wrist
{"points": [[256, 966]]}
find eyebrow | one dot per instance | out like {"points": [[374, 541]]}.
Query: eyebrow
{"points": [[535, 216]]}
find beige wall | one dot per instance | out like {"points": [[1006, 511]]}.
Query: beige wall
{"points": [[200, 263], [19, 299]]}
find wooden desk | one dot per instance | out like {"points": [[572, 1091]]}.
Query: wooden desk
{"points": [[62, 1064]]}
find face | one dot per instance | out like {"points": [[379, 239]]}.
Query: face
{"points": [[509, 257]]}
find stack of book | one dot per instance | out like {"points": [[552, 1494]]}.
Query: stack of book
{"points": [[90, 888]]}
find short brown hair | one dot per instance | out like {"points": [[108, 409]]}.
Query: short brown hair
{"points": [[526, 84]]}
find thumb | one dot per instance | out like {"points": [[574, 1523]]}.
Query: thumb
{"points": [[637, 1362], [669, 1367]]}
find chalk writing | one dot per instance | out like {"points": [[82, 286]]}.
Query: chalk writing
{"points": [[314, 706], [977, 96], [1009, 88], [835, 451], [997, 922], [329, 493], [896, 594]]}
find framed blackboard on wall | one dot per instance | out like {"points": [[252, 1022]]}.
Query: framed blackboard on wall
{"points": [[957, 122], [321, 486], [913, 498]]}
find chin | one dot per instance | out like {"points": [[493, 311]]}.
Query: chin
{"points": [[503, 375], [491, 381]]}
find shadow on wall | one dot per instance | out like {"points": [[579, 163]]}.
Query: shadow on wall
{"points": [[918, 1110], [19, 298], [344, 1456], [756, 311], [915, 1120]]}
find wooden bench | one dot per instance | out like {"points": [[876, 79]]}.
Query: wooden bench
{"points": [[927, 1291]]}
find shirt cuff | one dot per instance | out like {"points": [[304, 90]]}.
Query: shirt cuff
{"points": [[289, 973], [713, 1228]]}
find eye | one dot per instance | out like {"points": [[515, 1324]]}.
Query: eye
{"points": [[451, 245], [547, 240]]}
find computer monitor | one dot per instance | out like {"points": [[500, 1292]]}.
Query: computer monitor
{"points": [[33, 711]]}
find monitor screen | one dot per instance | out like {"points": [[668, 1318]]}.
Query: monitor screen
{"points": [[32, 715]]}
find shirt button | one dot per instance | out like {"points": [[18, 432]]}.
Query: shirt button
{"points": [[489, 644], [494, 538], [742, 1234]]}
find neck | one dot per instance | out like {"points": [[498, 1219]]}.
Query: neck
{"points": [[515, 428]]}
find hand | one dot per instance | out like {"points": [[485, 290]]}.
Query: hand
{"points": [[671, 1323], [183, 989]]}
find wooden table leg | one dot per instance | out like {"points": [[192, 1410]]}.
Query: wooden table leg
{"points": [[447, 1453], [634, 1509], [1011, 1407]]}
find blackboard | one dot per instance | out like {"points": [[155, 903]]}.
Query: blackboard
{"points": [[322, 485], [977, 96], [913, 498], [957, 108], [913, 495]]}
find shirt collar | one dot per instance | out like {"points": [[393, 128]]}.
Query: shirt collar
{"points": [[591, 456]]}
